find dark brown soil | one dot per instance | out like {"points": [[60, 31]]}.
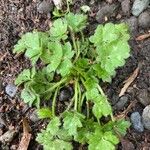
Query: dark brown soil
{"points": [[20, 16]]}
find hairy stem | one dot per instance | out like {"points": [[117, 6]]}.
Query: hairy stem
{"points": [[55, 85], [76, 95], [54, 102]]}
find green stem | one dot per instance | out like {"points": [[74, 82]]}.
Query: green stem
{"points": [[101, 91], [88, 110], [55, 85], [73, 41], [76, 95], [103, 94], [54, 102], [82, 36], [79, 99]]}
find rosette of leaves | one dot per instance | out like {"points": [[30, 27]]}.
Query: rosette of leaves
{"points": [[83, 62]]}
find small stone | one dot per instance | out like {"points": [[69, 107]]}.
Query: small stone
{"points": [[144, 97], [125, 4], [121, 103], [139, 6], [146, 117], [45, 7], [144, 20], [34, 117], [105, 11], [136, 120], [11, 90], [8, 136]]}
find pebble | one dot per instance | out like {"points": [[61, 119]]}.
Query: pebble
{"points": [[8, 136], [144, 20], [105, 11], [136, 120], [34, 117], [121, 103], [146, 117], [11, 90], [139, 6], [45, 7], [144, 97], [125, 4]]}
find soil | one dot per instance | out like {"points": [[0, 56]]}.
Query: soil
{"points": [[18, 17]]}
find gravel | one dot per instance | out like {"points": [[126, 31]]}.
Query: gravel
{"points": [[146, 117], [144, 20], [136, 121], [121, 103], [139, 6], [107, 11], [11, 90], [144, 97]]}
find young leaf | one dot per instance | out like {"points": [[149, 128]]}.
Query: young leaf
{"points": [[66, 64], [44, 113], [55, 58], [76, 22], [121, 126], [29, 96], [72, 121], [33, 43], [59, 30], [24, 76], [112, 48], [53, 126], [101, 107], [102, 141]]}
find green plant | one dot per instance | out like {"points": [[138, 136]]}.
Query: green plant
{"points": [[84, 63]]}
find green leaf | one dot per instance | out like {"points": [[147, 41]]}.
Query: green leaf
{"points": [[44, 113], [101, 107], [112, 48], [55, 58], [32, 43], [24, 76], [102, 141], [53, 126], [66, 64], [121, 126], [92, 94], [64, 67], [72, 121], [76, 22], [30, 97], [58, 144], [59, 30], [85, 132]]}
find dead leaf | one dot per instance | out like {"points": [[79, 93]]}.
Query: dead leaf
{"points": [[25, 140], [143, 37], [129, 81]]}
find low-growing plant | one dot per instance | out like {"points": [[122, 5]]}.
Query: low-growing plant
{"points": [[83, 63]]}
